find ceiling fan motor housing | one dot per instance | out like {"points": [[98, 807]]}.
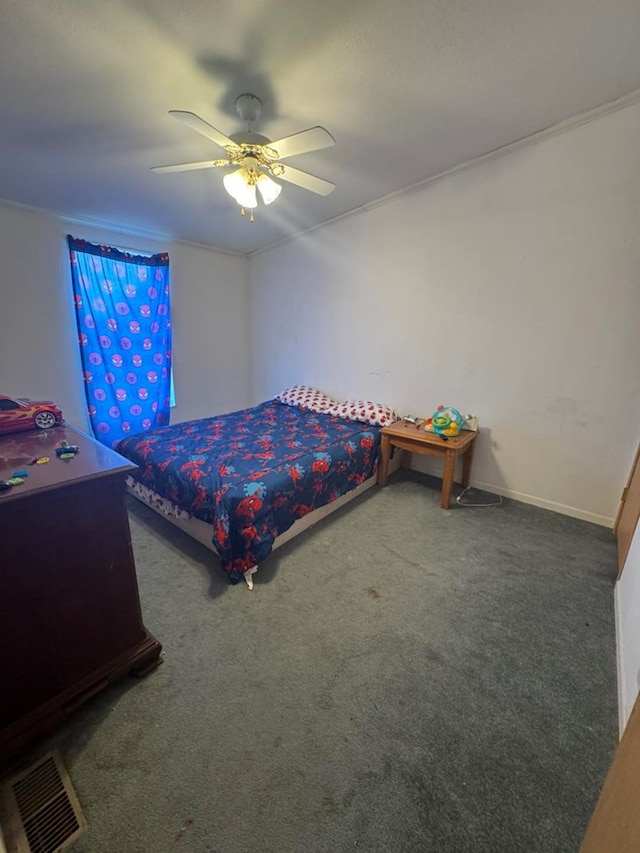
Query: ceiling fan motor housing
{"points": [[248, 137]]}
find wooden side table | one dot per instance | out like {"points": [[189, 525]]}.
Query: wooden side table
{"points": [[416, 440]]}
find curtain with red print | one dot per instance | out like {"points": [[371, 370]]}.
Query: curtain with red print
{"points": [[124, 329]]}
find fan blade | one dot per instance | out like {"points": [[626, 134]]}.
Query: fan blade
{"points": [[306, 181], [187, 167], [312, 139], [201, 126]]}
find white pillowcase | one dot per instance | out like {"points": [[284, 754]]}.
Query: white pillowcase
{"points": [[365, 411], [306, 398]]}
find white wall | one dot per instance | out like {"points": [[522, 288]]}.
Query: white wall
{"points": [[211, 332], [510, 289], [38, 341]]}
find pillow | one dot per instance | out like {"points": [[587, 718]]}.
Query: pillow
{"points": [[309, 399], [364, 410]]}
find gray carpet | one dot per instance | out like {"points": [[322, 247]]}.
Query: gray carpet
{"points": [[401, 679]]}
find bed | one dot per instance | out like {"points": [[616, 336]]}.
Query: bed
{"points": [[242, 481]]}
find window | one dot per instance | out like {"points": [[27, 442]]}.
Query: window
{"points": [[123, 317]]}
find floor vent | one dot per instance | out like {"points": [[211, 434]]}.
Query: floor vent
{"points": [[39, 808]]}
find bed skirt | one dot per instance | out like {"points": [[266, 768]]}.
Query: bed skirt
{"points": [[202, 532]]}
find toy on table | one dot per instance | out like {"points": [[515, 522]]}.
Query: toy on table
{"points": [[445, 421]]}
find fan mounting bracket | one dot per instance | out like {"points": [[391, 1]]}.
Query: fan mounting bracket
{"points": [[248, 107]]}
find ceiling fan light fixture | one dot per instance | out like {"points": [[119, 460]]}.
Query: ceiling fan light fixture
{"points": [[239, 186], [269, 190], [255, 158]]}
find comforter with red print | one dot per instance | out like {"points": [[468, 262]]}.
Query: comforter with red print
{"points": [[252, 473]]}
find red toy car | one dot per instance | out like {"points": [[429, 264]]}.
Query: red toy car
{"points": [[17, 414]]}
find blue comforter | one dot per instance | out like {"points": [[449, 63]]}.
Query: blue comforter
{"points": [[252, 473]]}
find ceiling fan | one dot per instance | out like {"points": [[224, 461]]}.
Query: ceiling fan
{"points": [[255, 157]]}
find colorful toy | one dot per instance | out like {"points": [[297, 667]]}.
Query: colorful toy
{"points": [[17, 414], [445, 421], [66, 450]]}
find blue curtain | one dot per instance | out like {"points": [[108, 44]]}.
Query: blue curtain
{"points": [[124, 328]]}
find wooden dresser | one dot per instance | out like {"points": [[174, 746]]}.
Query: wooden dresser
{"points": [[70, 619]]}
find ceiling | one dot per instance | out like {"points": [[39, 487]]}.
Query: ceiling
{"points": [[407, 88]]}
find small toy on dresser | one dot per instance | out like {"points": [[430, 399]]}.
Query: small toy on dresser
{"points": [[66, 450], [17, 414]]}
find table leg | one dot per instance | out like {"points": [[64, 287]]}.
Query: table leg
{"points": [[383, 464], [467, 459], [405, 459], [447, 479]]}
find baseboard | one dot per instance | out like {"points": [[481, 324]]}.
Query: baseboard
{"points": [[423, 466], [563, 509]]}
